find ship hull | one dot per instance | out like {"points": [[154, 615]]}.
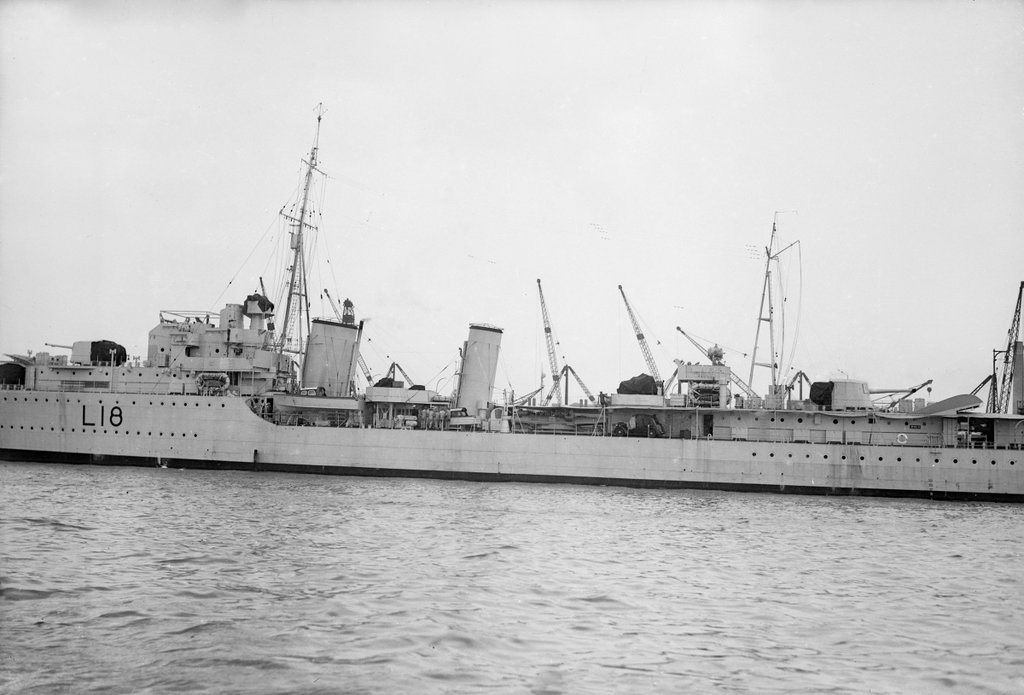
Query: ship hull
{"points": [[223, 433]]}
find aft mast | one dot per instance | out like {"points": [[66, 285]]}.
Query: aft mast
{"points": [[776, 334], [296, 313]]}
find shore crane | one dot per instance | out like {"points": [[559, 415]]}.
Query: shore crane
{"points": [[644, 347], [349, 317], [1000, 394], [391, 373], [557, 375], [715, 354]]}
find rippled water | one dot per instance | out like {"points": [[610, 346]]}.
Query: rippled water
{"points": [[161, 580]]}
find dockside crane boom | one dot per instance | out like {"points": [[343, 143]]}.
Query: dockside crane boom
{"points": [[980, 386], [715, 355], [557, 375], [644, 348], [567, 369], [1000, 394], [391, 373]]}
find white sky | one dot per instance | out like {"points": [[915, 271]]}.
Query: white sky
{"points": [[145, 149]]}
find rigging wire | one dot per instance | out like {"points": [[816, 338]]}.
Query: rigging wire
{"points": [[799, 309], [216, 302]]}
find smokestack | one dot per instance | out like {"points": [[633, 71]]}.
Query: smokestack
{"points": [[479, 365], [331, 352]]}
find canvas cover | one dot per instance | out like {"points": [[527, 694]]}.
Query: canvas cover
{"points": [[821, 393], [101, 349], [640, 385]]}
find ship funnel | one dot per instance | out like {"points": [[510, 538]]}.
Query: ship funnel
{"points": [[331, 353], [479, 365]]}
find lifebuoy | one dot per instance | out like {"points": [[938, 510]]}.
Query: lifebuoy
{"points": [[901, 438]]}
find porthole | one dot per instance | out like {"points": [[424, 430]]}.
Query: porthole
{"points": [[799, 419], [754, 454], [861, 458], [899, 458], [826, 457], [956, 460], [835, 422], [771, 455], [844, 457], [936, 460]]}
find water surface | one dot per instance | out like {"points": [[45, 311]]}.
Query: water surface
{"points": [[126, 580]]}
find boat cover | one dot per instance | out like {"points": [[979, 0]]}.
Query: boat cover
{"points": [[642, 384]]}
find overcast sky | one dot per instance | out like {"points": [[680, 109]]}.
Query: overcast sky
{"points": [[471, 148]]}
